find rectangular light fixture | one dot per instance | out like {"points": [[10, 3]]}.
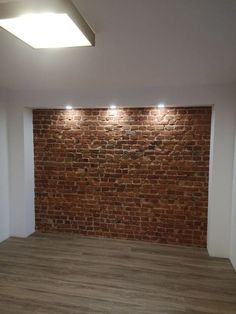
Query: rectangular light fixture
{"points": [[46, 23]]}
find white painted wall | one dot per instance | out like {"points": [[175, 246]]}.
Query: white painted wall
{"points": [[16, 170], [4, 196], [21, 172], [233, 218], [221, 179], [29, 171]]}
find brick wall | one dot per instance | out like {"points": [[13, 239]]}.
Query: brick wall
{"points": [[131, 173]]}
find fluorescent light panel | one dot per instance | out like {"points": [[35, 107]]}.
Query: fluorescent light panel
{"points": [[46, 30], [44, 27]]}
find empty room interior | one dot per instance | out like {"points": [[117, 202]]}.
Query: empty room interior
{"points": [[117, 157]]}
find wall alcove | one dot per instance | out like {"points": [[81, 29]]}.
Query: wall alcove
{"points": [[139, 173]]}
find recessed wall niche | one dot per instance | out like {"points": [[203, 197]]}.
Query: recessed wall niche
{"points": [[141, 173]]}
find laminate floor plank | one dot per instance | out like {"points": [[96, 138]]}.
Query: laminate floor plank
{"points": [[68, 274]]}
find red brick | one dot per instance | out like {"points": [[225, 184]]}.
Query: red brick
{"points": [[142, 174]]}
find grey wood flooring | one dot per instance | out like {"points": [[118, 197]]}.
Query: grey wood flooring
{"points": [[62, 274]]}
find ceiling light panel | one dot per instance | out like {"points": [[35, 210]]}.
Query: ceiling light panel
{"points": [[46, 24]]}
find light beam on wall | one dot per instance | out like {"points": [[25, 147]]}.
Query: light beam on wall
{"points": [[46, 23], [69, 107]]}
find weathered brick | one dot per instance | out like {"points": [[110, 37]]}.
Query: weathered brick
{"points": [[141, 174]]}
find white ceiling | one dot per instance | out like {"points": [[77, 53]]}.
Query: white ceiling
{"points": [[139, 43]]}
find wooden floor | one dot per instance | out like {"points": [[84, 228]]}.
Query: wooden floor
{"points": [[61, 274]]}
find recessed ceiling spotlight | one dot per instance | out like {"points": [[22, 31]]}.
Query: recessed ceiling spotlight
{"points": [[69, 107], [46, 23], [113, 106], [161, 105]]}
